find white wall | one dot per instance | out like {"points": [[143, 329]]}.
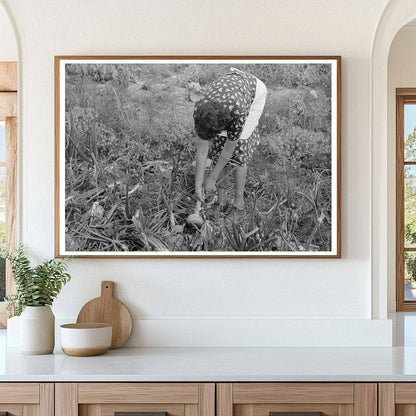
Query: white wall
{"points": [[183, 300], [8, 47], [401, 74]]}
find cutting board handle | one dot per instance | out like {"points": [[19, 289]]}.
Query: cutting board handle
{"points": [[107, 289]]}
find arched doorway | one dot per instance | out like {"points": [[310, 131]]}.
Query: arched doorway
{"points": [[396, 14], [8, 148]]}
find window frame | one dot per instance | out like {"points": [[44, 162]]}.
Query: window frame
{"points": [[403, 96], [8, 113]]}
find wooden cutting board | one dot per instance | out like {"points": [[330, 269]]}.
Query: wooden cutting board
{"points": [[107, 309]]}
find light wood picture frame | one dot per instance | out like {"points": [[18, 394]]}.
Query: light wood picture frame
{"points": [[129, 135]]}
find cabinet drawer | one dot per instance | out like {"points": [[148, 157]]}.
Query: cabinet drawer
{"points": [[153, 399], [297, 399], [19, 393], [138, 393]]}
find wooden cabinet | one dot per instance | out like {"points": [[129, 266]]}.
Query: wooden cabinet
{"points": [[27, 399], [297, 399], [208, 399], [106, 399]]}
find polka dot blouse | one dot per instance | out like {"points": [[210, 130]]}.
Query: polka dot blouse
{"points": [[236, 91]]}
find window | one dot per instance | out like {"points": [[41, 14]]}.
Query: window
{"points": [[406, 199], [8, 170]]}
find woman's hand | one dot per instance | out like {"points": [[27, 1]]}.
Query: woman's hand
{"points": [[210, 185], [199, 194]]}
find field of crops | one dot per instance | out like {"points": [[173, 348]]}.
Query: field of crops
{"points": [[129, 161]]}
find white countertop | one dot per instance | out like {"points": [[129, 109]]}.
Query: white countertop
{"points": [[213, 364]]}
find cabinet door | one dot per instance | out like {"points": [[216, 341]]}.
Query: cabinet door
{"points": [[144, 399], [26, 399], [297, 399], [397, 399]]}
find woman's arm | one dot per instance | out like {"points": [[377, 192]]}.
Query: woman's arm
{"points": [[202, 147], [225, 156]]}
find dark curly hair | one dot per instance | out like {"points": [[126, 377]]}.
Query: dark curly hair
{"points": [[211, 118]]}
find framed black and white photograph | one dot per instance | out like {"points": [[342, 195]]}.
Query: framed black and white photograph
{"points": [[197, 156]]}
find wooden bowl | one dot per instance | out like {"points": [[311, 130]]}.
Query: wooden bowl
{"points": [[84, 340]]}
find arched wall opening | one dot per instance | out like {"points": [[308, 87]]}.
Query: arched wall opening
{"points": [[401, 74], [396, 14], [10, 149]]}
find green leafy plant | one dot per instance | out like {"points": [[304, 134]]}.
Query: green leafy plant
{"points": [[35, 286]]}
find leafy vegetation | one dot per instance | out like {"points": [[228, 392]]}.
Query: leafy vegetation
{"points": [[129, 161], [35, 286]]}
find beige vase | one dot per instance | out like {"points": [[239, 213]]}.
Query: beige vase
{"points": [[37, 330]]}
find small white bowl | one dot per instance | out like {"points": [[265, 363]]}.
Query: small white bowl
{"points": [[84, 340]]}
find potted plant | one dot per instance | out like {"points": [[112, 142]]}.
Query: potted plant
{"points": [[36, 289]]}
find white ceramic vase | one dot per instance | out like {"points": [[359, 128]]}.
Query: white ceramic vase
{"points": [[37, 330]]}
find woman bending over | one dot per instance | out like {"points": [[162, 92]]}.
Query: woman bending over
{"points": [[226, 121]]}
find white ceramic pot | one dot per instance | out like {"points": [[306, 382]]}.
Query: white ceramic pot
{"points": [[86, 339], [37, 330]]}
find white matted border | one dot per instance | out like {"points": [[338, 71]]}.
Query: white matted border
{"points": [[334, 61]]}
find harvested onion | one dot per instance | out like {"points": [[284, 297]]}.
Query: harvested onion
{"points": [[194, 219]]}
